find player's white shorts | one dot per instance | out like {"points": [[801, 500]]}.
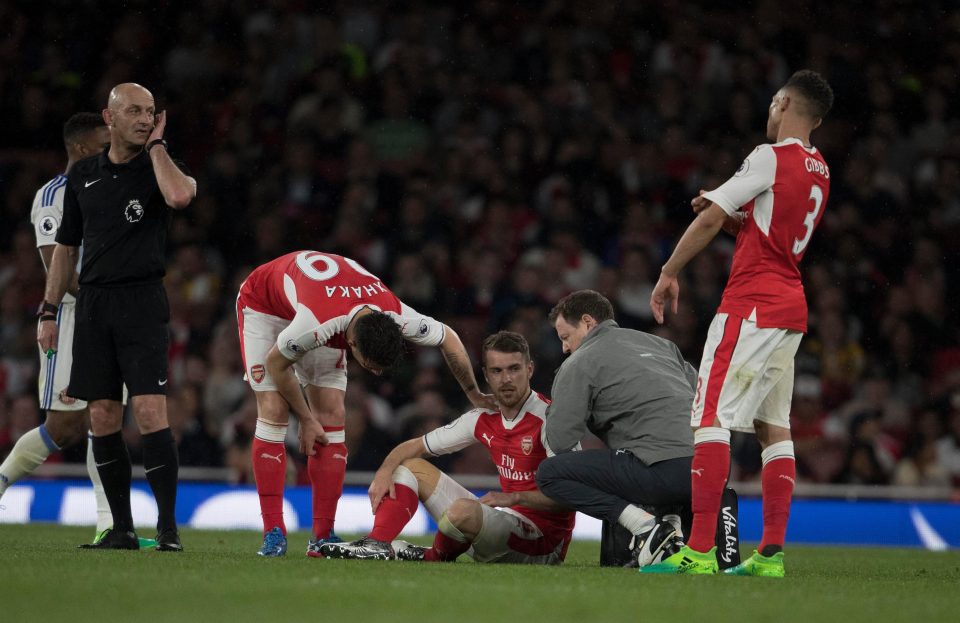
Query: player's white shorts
{"points": [[746, 374], [321, 367], [499, 525], [55, 371]]}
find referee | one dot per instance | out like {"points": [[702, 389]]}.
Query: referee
{"points": [[118, 205]]}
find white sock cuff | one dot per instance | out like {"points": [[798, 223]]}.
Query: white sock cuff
{"points": [[673, 520], [446, 526], [267, 431], [337, 436], [403, 476], [636, 520], [711, 434], [779, 450]]}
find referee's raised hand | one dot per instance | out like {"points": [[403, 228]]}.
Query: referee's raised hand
{"points": [[160, 124]]}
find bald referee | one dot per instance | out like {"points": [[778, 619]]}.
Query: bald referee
{"points": [[118, 205]]}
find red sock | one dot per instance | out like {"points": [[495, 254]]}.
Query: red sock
{"points": [[445, 549], [778, 477], [326, 469], [270, 471], [708, 475], [393, 514]]}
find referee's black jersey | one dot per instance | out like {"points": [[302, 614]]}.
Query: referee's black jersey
{"points": [[119, 214]]}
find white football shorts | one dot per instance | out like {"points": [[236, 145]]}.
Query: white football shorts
{"points": [[321, 367], [746, 374], [499, 524], [55, 371]]}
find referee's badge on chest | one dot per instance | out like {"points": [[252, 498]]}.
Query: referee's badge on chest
{"points": [[133, 211]]}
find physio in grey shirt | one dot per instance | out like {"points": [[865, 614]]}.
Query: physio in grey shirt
{"points": [[632, 390]]}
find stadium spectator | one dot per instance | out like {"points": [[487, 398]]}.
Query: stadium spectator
{"points": [[948, 447], [510, 91]]}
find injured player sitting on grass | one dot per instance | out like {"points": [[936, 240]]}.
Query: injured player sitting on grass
{"points": [[516, 525]]}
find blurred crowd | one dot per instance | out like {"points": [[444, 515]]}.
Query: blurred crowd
{"points": [[487, 158]]}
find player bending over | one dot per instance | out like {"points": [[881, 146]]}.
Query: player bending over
{"points": [[298, 315], [516, 525]]}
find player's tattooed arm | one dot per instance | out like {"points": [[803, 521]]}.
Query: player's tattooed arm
{"points": [[459, 363]]}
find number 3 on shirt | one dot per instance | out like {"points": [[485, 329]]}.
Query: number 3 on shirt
{"points": [[816, 195]]}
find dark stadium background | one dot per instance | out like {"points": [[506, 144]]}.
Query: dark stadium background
{"points": [[486, 158]]}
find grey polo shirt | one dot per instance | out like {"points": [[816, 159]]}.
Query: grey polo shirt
{"points": [[631, 389]]}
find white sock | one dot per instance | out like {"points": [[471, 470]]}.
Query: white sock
{"points": [[446, 526], [636, 520], [104, 516], [27, 454], [269, 431], [674, 520]]}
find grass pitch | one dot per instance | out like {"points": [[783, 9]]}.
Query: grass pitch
{"points": [[44, 578]]}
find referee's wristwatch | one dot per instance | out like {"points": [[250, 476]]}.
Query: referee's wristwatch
{"points": [[47, 311], [155, 142]]}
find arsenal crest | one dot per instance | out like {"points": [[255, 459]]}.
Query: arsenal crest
{"points": [[257, 373], [526, 444]]}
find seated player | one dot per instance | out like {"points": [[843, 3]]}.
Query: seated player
{"points": [[516, 525], [298, 315]]}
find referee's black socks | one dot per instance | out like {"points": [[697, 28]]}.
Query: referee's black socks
{"points": [[113, 465], [161, 464]]}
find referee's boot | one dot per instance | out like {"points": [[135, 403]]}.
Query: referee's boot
{"points": [[115, 539], [169, 541]]}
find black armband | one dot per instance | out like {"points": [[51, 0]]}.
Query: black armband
{"points": [[156, 142], [47, 309]]}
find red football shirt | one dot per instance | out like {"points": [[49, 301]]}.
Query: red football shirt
{"points": [[782, 190], [320, 293], [516, 447]]}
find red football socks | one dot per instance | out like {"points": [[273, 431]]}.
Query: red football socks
{"points": [[778, 479], [326, 469], [708, 475], [393, 514], [445, 549], [269, 470]]}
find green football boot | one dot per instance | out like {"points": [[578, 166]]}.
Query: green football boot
{"points": [[686, 561], [144, 543], [147, 543], [760, 566]]}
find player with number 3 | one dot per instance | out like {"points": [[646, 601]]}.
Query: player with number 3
{"points": [[298, 316], [772, 204]]}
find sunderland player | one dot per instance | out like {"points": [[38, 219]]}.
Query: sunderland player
{"points": [[528, 528], [298, 316], [774, 201], [84, 134]]}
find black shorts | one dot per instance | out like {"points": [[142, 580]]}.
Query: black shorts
{"points": [[121, 337]]}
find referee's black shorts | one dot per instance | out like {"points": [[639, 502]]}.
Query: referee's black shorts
{"points": [[121, 336]]}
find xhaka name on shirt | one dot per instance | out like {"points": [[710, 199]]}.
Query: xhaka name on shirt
{"points": [[347, 292]]}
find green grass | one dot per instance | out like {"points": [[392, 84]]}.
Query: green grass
{"points": [[44, 578]]}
